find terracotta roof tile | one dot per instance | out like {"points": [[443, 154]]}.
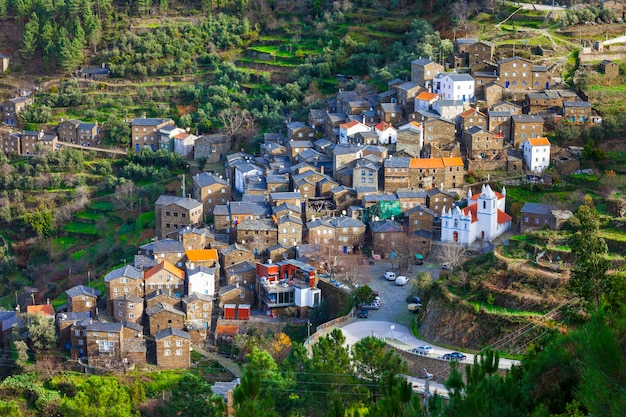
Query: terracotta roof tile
{"points": [[539, 141]]}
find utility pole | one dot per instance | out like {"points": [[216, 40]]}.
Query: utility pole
{"points": [[182, 185]]}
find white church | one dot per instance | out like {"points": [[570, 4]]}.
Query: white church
{"points": [[483, 218]]}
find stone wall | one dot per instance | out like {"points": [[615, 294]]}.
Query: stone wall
{"points": [[486, 165]]}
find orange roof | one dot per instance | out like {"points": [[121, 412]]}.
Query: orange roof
{"points": [[471, 210], [427, 163], [168, 267], [349, 124], [202, 255], [468, 112], [539, 141], [426, 96], [416, 124], [453, 162], [44, 310], [227, 330], [503, 217], [383, 126]]}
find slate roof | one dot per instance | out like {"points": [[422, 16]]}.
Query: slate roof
{"points": [[70, 316], [127, 271], [345, 221], [170, 331], [527, 118], [537, 208], [234, 247], [10, 318], [129, 297], [200, 269], [240, 267], [385, 226], [457, 77], [160, 307], [254, 224], [420, 208], [104, 326], [195, 296], [256, 209], [397, 162], [164, 246], [581, 104], [411, 194], [82, 290], [205, 179], [186, 203], [148, 122], [288, 218], [132, 325], [379, 197]]}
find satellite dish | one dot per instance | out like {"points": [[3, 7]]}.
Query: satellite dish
{"points": [[343, 212], [376, 218]]}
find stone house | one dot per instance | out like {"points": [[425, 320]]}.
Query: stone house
{"points": [[423, 71], [94, 73], [508, 107], [299, 131], [535, 216], [207, 258], [565, 165], [145, 132], [396, 174], [438, 200], [439, 132], [365, 173], [493, 92], [88, 134], [229, 215], [163, 316], [577, 111], [78, 337], [518, 73], [211, 190], [389, 113], [173, 213], [29, 142], [128, 307], [256, 235], [240, 273], [473, 117], [81, 298], [65, 322], [320, 232], [343, 197], [609, 68], [426, 173], [344, 97], [66, 130], [500, 124], [13, 107], [198, 307], [277, 182], [123, 280], [238, 293], [480, 144], [294, 147], [173, 347], [345, 155], [316, 118], [134, 344], [212, 147], [164, 277], [235, 254], [410, 198], [481, 51], [289, 230], [525, 126], [420, 218], [331, 123], [287, 197], [349, 233], [11, 143], [425, 101], [164, 297], [104, 343], [170, 250], [385, 235]]}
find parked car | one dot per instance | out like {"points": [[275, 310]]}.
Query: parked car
{"points": [[363, 314], [402, 280], [422, 350], [414, 299], [445, 266], [454, 356], [371, 306], [390, 276]]}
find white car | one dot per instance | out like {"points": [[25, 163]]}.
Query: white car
{"points": [[422, 350], [401, 280], [390, 276]]}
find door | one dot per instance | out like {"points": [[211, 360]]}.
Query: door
{"points": [[482, 235], [506, 85]]}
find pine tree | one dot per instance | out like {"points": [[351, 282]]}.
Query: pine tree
{"points": [[29, 37]]}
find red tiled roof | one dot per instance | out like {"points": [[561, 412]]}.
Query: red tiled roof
{"points": [[44, 309], [468, 112], [471, 210], [475, 196], [383, 126], [227, 330], [426, 96], [349, 124], [503, 217], [168, 267], [196, 255]]}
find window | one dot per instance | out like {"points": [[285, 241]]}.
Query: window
{"points": [[167, 213], [131, 315], [179, 343], [119, 314], [179, 352], [166, 352]]}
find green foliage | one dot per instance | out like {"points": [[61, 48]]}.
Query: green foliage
{"points": [[41, 221], [42, 331], [363, 295], [30, 387], [98, 397], [10, 409], [373, 361], [192, 396]]}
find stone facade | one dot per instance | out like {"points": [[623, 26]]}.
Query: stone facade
{"points": [[174, 213], [81, 298], [210, 190], [163, 316], [173, 348], [128, 308], [524, 127], [126, 280]]}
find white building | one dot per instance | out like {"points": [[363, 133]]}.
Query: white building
{"points": [[484, 218], [243, 171], [536, 154], [183, 143], [201, 280], [387, 134], [453, 86], [348, 130]]}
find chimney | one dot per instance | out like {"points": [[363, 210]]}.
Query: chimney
{"points": [[47, 301]]}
